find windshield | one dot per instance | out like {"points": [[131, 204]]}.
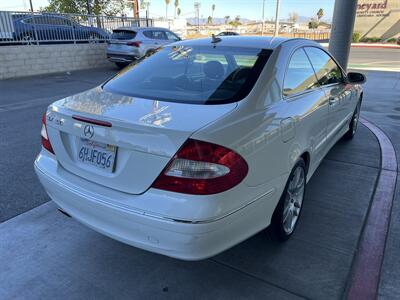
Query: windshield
{"points": [[199, 74]]}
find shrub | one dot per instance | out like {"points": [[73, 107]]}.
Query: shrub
{"points": [[371, 40], [356, 37]]}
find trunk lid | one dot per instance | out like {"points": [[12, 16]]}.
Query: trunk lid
{"points": [[146, 133]]}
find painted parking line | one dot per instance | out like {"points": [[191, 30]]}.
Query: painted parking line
{"points": [[367, 264]]}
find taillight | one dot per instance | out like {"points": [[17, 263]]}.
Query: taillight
{"points": [[202, 168], [134, 44], [45, 138]]}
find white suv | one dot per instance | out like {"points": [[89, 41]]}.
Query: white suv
{"points": [[130, 43]]}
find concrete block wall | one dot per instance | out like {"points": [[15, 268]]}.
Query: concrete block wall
{"points": [[26, 60]]}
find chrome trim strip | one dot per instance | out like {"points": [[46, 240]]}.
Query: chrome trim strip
{"points": [[269, 193]]}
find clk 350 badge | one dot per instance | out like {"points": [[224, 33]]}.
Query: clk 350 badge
{"points": [[55, 120]]}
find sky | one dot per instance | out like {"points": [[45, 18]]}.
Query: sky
{"points": [[249, 9]]}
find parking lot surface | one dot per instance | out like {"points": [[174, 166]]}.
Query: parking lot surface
{"points": [[45, 254]]}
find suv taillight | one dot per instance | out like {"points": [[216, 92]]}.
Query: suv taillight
{"points": [[202, 168], [45, 138], [134, 44]]}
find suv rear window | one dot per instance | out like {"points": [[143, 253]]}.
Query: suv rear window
{"points": [[120, 34], [198, 74]]}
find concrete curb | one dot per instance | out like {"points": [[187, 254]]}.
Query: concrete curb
{"points": [[375, 46], [367, 264], [368, 45]]}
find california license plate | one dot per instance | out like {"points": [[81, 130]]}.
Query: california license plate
{"points": [[97, 154]]}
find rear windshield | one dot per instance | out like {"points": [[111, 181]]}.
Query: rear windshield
{"points": [[120, 34], [199, 74]]}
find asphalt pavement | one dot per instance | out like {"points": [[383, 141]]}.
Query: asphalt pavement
{"points": [[22, 103], [375, 59]]}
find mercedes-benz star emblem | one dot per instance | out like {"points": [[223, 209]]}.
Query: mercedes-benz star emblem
{"points": [[88, 131]]}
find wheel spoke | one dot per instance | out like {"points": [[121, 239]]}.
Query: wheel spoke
{"points": [[287, 221], [293, 201]]}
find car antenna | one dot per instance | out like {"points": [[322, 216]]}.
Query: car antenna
{"points": [[215, 39]]}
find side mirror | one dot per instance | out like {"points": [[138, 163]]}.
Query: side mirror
{"points": [[355, 77]]}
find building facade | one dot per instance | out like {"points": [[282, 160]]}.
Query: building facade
{"points": [[378, 18]]}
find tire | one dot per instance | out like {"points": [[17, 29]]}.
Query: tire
{"points": [[353, 123], [121, 65], [287, 212], [149, 52]]}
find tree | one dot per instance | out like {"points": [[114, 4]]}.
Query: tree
{"points": [[107, 7], [178, 12], [167, 2], [320, 14], [236, 22], [227, 19], [209, 20], [144, 4], [212, 11], [176, 4], [313, 24], [293, 17]]}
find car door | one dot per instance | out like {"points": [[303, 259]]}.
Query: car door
{"points": [[152, 41], [338, 93], [160, 37], [172, 37], [306, 116]]}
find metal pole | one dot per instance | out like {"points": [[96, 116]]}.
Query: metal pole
{"points": [[344, 15], [263, 18], [197, 8], [30, 2], [276, 33]]}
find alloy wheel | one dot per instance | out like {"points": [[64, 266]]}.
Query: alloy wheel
{"points": [[355, 119], [294, 200]]}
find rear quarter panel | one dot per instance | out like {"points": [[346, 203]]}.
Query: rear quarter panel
{"points": [[257, 129]]}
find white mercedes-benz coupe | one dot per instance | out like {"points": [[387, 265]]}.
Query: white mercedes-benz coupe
{"points": [[199, 146]]}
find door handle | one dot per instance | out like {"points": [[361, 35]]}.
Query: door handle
{"points": [[333, 100]]}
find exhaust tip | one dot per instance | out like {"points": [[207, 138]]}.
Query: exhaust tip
{"points": [[64, 213]]}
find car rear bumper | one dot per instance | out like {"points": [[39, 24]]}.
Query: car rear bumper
{"points": [[175, 238], [122, 58]]}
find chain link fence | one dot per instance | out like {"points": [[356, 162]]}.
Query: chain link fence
{"points": [[27, 28]]}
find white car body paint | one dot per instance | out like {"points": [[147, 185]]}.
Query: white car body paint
{"points": [[268, 130]]}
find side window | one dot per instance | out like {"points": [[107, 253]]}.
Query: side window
{"points": [[148, 34], [40, 20], [159, 35], [171, 36], [65, 22], [300, 75], [28, 20], [326, 69], [55, 21]]}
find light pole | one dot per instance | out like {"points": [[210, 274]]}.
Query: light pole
{"points": [[263, 18], [276, 33], [30, 2], [197, 8]]}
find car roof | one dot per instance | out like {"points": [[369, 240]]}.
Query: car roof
{"points": [[136, 29], [260, 42]]}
